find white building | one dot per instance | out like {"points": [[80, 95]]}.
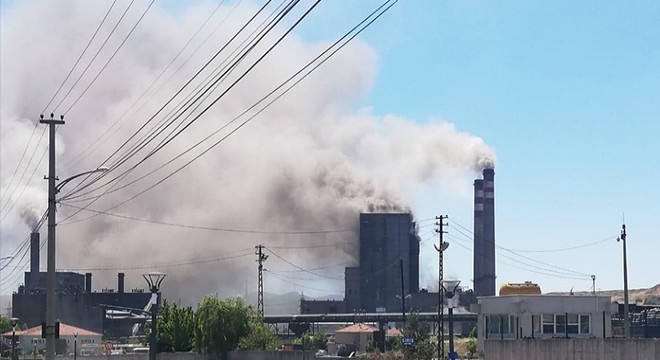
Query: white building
{"points": [[543, 316]]}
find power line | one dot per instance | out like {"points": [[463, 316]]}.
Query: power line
{"points": [[80, 56], [300, 268], [233, 230], [314, 64]]}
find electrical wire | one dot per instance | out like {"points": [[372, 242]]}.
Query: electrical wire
{"points": [[314, 64], [110, 59], [95, 56], [232, 230], [300, 268], [80, 56]]}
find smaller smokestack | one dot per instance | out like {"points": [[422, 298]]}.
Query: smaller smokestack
{"points": [[88, 282], [120, 282], [34, 260]]}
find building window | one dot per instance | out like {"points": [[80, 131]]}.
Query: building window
{"points": [[561, 324], [500, 324]]}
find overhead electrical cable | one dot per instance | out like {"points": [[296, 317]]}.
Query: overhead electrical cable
{"points": [[84, 71], [299, 267], [80, 56], [110, 59], [172, 98], [121, 121], [331, 50], [233, 230], [180, 110]]}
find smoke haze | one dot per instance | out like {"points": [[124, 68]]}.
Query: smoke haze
{"points": [[312, 161]]}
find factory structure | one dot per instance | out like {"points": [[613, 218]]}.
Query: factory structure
{"points": [[389, 262], [77, 303]]}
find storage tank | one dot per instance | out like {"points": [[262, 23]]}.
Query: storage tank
{"points": [[526, 288]]}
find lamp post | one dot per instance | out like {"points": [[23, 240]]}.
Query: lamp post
{"points": [[626, 320], [53, 189], [14, 321], [450, 287], [75, 345], [153, 280]]}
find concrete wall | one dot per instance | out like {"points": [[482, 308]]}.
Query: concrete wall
{"points": [[237, 355], [572, 349]]}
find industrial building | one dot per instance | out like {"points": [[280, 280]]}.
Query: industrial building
{"points": [[77, 303]]}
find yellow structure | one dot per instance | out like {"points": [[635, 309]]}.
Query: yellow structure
{"points": [[526, 288]]}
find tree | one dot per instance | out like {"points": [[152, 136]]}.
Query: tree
{"points": [[176, 328], [413, 328], [220, 325], [5, 324], [259, 337]]}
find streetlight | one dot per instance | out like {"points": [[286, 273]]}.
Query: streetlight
{"points": [[626, 320], [153, 280], [75, 345], [14, 321], [450, 287], [53, 189]]}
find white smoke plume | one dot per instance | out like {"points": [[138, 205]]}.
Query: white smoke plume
{"points": [[312, 161]]}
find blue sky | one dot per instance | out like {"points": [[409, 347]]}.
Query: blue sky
{"points": [[566, 92]]}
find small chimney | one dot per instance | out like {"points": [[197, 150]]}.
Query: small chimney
{"points": [[88, 282], [120, 282], [34, 260]]}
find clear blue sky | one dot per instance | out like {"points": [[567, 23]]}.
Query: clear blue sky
{"points": [[568, 93]]}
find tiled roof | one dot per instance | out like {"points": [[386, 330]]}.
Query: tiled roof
{"points": [[357, 328], [393, 332], [65, 330]]}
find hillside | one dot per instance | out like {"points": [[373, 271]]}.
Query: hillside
{"points": [[650, 296]]}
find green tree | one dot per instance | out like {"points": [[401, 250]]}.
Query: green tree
{"points": [[418, 330], [176, 328], [220, 325], [5, 324], [259, 337]]}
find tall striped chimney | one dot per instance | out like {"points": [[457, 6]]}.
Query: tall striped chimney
{"points": [[34, 261], [488, 269], [477, 254]]}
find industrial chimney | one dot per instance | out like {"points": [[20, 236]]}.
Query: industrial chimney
{"points": [[489, 233], [34, 260], [478, 253], [484, 234], [120, 282]]}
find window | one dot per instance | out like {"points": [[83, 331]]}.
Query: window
{"points": [[585, 327], [500, 324], [561, 324], [548, 323], [573, 324]]}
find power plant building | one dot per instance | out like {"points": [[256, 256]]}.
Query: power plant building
{"points": [[389, 262], [77, 303]]}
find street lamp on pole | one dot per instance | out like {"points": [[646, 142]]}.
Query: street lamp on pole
{"points": [[153, 280], [14, 321], [626, 320], [75, 345], [53, 189], [450, 287]]}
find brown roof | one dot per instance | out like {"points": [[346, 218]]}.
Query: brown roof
{"points": [[357, 328], [65, 330], [393, 332]]}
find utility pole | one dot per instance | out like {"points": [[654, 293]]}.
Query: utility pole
{"points": [[440, 229], [261, 257], [50, 268], [626, 320]]}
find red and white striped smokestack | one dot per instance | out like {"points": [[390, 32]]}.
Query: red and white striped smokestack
{"points": [[489, 233], [477, 253]]}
